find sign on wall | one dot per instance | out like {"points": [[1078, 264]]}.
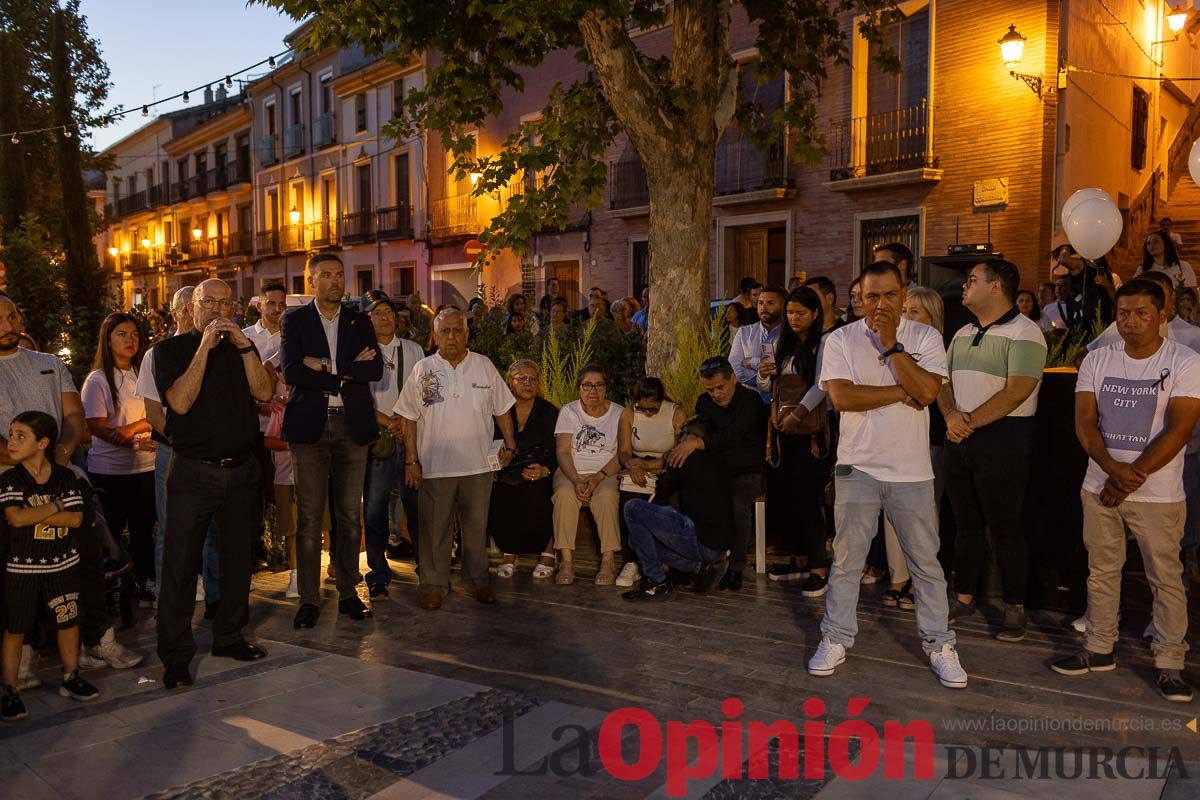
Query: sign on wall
{"points": [[990, 193]]}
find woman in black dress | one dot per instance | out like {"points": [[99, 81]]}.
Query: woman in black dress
{"points": [[519, 520]]}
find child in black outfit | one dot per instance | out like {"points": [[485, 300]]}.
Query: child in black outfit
{"points": [[42, 503]]}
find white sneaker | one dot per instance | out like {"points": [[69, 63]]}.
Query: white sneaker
{"points": [[945, 665], [293, 590], [110, 652], [1081, 624], [25, 677], [827, 658], [630, 573], [199, 590]]}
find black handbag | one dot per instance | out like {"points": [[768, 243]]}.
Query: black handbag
{"points": [[524, 457]]}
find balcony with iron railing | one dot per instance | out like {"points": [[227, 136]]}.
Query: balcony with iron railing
{"points": [[889, 142], [268, 149], [266, 243], [395, 222], [455, 216], [293, 141], [235, 172], [324, 130], [627, 184], [291, 239], [744, 166], [139, 260], [322, 233], [240, 243], [131, 204], [357, 226]]}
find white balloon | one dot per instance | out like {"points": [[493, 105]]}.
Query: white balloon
{"points": [[1194, 161], [1084, 194], [1094, 227]]}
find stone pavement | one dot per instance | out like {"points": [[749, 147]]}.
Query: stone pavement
{"points": [[494, 701]]}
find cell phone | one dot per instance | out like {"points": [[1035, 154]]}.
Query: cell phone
{"points": [[768, 353]]}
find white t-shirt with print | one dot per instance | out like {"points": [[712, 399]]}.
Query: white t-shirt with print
{"points": [[593, 439], [1131, 399], [455, 410], [105, 458], [146, 388], [891, 443]]}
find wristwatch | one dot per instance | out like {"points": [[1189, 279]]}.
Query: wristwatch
{"points": [[324, 365], [896, 348], [247, 349]]}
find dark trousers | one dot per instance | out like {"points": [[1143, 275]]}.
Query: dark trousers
{"points": [[93, 602], [802, 479], [986, 477], [746, 488], [196, 495], [385, 477], [128, 500], [333, 457]]}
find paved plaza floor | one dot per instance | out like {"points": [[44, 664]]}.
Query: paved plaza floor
{"points": [[508, 700]]}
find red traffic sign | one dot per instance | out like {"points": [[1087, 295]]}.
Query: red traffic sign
{"points": [[473, 249]]}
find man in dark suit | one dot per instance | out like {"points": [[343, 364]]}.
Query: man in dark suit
{"points": [[330, 359]]}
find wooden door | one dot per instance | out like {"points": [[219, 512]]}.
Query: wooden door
{"points": [[567, 275], [752, 253]]}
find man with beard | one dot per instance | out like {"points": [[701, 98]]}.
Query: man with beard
{"points": [[330, 359], [755, 342], [210, 379]]}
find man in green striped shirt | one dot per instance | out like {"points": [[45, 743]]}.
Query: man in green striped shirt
{"points": [[995, 366]]}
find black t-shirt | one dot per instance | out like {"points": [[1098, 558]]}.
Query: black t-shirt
{"points": [[1084, 297], [705, 497], [223, 422], [41, 549], [739, 430]]}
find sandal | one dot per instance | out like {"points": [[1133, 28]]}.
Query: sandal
{"points": [[545, 570], [868, 579], [506, 569], [566, 574], [607, 572]]}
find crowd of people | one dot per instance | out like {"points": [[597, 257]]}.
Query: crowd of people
{"points": [[865, 428]]}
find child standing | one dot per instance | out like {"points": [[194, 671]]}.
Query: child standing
{"points": [[42, 503]]}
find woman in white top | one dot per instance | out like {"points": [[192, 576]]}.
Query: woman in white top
{"points": [[586, 437], [121, 459], [1159, 255], [648, 430]]}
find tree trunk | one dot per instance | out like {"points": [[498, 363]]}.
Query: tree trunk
{"points": [[85, 281], [14, 195]]}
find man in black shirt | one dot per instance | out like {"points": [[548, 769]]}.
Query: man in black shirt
{"points": [[1090, 290], [738, 439], [692, 540], [209, 379]]}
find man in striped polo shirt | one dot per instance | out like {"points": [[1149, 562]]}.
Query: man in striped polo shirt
{"points": [[995, 366]]}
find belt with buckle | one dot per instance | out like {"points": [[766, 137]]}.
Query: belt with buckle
{"points": [[224, 463]]}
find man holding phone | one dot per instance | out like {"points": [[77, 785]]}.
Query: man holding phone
{"points": [[753, 343], [881, 372]]}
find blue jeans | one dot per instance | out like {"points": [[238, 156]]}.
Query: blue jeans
{"points": [[384, 482], [212, 561], [1191, 488], [911, 508], [661, 535]]}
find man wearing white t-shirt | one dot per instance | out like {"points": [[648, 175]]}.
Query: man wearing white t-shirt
{"points": [[881, 372], [450, 403], [1136, 404]]}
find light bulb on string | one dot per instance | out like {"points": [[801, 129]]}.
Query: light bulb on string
{"points": [[228, 82], [66, 132], [185, 97], [15, 140], [145, 111], [271, 62]]}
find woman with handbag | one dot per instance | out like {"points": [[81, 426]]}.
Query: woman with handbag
{"points": [[519, 518], [798, 438]]}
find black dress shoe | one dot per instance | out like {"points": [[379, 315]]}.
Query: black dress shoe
{"points": [[176, 676], [210, 610], [732, 580], [378, 590], [239, 651], [354, 608], [307, 616]]}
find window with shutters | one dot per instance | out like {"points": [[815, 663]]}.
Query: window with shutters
{"points": [[1141, 119]]}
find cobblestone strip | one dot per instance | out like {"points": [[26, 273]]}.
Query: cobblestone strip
{"points": [[773, 788], [357, 765]]}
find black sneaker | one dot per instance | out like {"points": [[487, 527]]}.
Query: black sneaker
{"points": [[789, 571], [77, 688], [1173, 687], [732, 581], [709, 576], [960, 610], [1013, 627], [815, 585], [679, 579], [11, 707], [1083, 662], [649, 590], [377, 591]]}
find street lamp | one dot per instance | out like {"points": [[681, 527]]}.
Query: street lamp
{"points": [[1012, 48], [112, 251], [146, 244], [1177, 18], [197, 233], [294, 216]]}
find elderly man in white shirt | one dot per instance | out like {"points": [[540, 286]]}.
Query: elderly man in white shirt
{"points": [[753, 343], [451, 404]]}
